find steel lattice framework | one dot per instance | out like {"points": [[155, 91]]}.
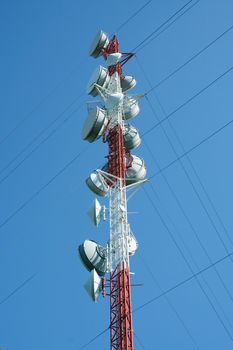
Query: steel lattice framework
{"points": [[121, 329], [107, 119]]}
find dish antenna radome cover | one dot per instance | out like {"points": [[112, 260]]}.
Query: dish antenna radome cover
{"points": [[97, 184], [95, 124], [131, 137], [128, 82], [99, 77], [93, 285], [132, 244], [136, 171], [93, 256], [100, 41]]}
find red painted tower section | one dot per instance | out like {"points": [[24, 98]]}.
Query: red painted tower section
{"points": [[121, 330]]}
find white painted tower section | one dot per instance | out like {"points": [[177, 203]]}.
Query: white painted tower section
{"points": [[119, 227]]}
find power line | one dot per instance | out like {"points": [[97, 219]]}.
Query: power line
{"points": [[190, 59], [188, 265], [169, 25], [133, 16], [214, 133], [93, 339], [23, 284], [169, 290], [189, 100], [139, 340], [37, 136], [172, 307], [202, 205], [162, 25], [20, 287], [166, 78], [191, 182], [35, 194], [163, 80], [198, 178], [190, 253], [193, 187], [28, 115], [38, 145]]}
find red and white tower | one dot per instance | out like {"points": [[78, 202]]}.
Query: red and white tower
{"points": [[109, 119]]}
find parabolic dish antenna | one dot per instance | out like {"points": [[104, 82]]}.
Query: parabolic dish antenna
{"points": [[97, 184], [136, 171], [93, 256], [130, 105], [95, 124], [100, 41], [130, 108], [100, 77], [128, 82], [93, 285], [96, 212], [132, 245], [131, 137]]}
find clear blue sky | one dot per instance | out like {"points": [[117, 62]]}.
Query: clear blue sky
{"points": [[44, 67]]}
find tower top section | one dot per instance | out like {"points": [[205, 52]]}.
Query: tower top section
{"points": [[109, 48]]}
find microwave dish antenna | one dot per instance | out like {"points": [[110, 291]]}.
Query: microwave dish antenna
{"points": [[99, 77], [97, 212], [95, 124], [93, 286], [99, 43], [93, 256]]}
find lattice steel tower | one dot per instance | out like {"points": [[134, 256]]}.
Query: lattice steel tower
{"points": [[108, 119]]}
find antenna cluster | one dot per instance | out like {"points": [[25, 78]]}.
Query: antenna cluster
{"points": [[108, 118]]}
